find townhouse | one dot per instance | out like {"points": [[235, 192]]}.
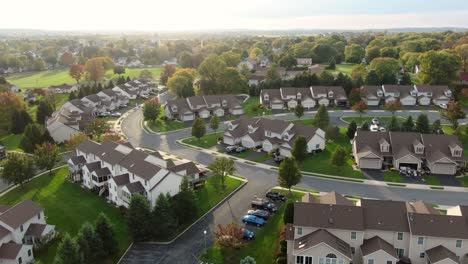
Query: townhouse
{"points": [[203, 106], [408, 95], [332, 229], [72, 118], [272, 135], [308, 97], [63, 88], [118, 171], [22, 227], [439, 154]]}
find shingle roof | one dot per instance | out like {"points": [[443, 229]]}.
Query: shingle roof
{"points": [[403, 144], [121, 179], [135, 163], [135, 187], [89, 146], [35, 230], [334, 198], [385, 215], [439, 253], [20, 213], [102, 172], [438, 146], [10, 250], [371, 90], [323, 236], [92, 166], [375, 244], [448, 226], [421, 207], [404, 90], [78, 160]]}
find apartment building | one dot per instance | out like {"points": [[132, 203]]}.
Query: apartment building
{"points": [[308, 97], [331, 229], [408, 95], [440, 154], [272, 135], [118, 171]]}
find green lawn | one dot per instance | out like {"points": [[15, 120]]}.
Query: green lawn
{"points": [[163, 126], [464, 181], [307, 121], [368, 119], [212, 194], [12, 141], [343, 68], [262, 158], [68, 206], [393, 176], [55, 77], [251, 107], [208, 141]]}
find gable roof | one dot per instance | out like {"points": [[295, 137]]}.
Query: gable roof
{"points": [[20, 213], [438, 147], [121, 179], [439, 253], [323, 236], [135, 187], [375, 244], [385, 215], [10, 250], [334, 198], [421, 207], [438, 225]]}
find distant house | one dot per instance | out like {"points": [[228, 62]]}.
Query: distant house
{"points": [[63, 88], [250, 63], [272, 135], [408, 95], [304, 62], [316, 69]]}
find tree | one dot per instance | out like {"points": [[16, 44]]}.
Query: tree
{"points": [[214, 122], [327, 79], [76, 72], [289, 173], [324, 52], [439, 67], [181, 83], [248, 260], [67, 252], [97, 127], [394, 125], [17, 169], [32, 137], [354, 53], [355, 96], [360, 107], [163, 218], [9, 103], [46, 156], [231, 59], [146, 75], [106, 234], [288, 217], [372, 78], [44, 110], [96, 68], [393, 106], [221, 168], [321, 119], [422, 124], [229, 236], [365, 126], [151, 109], [408, 125], [358, 71], [462, 52], [453, 112], [76, 140], [339, 157], [272, 75], [299, 150], [50, 97], [167, 72], [39, 64], [332, 63], [89, 244], [436, 126], [66, 59], [372, 53], [299, 111], [352, 128], [119, 70], [385, 66], [198, 128], [184, 203], [19, 120], [139, 218], [185, 59]]}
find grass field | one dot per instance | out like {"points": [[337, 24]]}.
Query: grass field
{"points": [[12, 141], [212, 194], [360, 120], [393, 176], [343, 68], [55, 77], [67, 206], [207, 141], [251, 107]]}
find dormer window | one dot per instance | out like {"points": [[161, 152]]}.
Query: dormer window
{"points": [[268, 133], [224, 103], [286, 136], [384, 148], [397, 94], [419, 149], [330, 94], [231, 127], [429, 93], [457, 153], [413, 93], [379, 93], [251, 129], [266, 97], [299, 96], [448, 93], [174, 108]]}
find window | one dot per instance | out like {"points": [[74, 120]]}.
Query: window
{"points": [[420, 240], [39, 216], [20, 260], [422, 255], [308, 260], [268, 133], [400, 252], [29, 253], [353, 250], [370, 261], [317, 146], [389, 262], [331, 255], [353, 235], [299, 230], [21, 228], [458, 243], [400, 236], [299, 259]]}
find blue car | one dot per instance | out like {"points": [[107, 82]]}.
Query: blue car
{"points": [[253, 220], [248, 235]]}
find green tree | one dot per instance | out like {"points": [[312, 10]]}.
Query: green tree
{"points": [[394, 125], [106, 234], [44, 110], [46, 156], [288, 217], [321, 119], [299, 111], [97, 127], [231, 59], [17, 169], [146, 75], [184, 203], [405, 79], [163, 218], [119, 70], [299, 150], [272, 75], [338, 157], [462, 52], [372, 53], [214, 123], [167, 72], [324, 52], [354, 53], [436, 126], [67, 252], [355, 96], [248, 260], [408, 125], [198, 128], [19, 120], [365, 126], [385, 66], [439, 67], [221, 168], [289, 173], [32, 137], [181, 83], [89, 244], [422, 124], [139, 218], [326, 79], [332, 63], [151, 110], [185, 59], [352, 128], [372, 78], [393, 106], [453, 112]]}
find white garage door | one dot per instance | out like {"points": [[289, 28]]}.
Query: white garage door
{"points": [[373, 102], [370, 163], [424, 101], [228, 140], [277, 106], [449, 169], [408, 101]]}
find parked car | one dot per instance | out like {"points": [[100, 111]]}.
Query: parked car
{"points": [[264, 204], [382, 129], [253, 220], [123, 106], [278, 159], [248, 235], [375, 121], [116, 114], [104, 114], [241, 149], [259, 213], [443, 106], [230, 149], [374, 128], [275, 196]]}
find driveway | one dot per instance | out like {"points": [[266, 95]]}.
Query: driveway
{"points": [[191, 244]]}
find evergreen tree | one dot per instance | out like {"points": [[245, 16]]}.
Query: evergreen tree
{"points": [[436, 126], [46, 137], [299, 111], [339, 157], [422, 124], [332, 63], [184, 203], [365, 126], [408, 125], [322, 120], [106, 235], [299, 150], [164, 221], [32, 137], [214, 122], [20, 119], [72, 96], [128, 79], [67, 252], [139, 218], [44, 110], [198, 128], [372, 78], [405, 79], [288, 217], [394, 125], [89, 244], [289, 173], [81, 93], [352, 127], [110, 85]]}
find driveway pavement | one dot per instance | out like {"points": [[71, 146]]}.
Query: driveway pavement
{"points": [[191, 244]]}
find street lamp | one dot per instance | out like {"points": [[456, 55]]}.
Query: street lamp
{"points": [[204, 237]]}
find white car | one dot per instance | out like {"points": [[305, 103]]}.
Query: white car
{"points": [[375, 121], [382, 129], [374, 128], [443, 106], [116, 114]]}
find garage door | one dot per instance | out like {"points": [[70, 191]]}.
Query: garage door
{"points": [[413, 166], [408, 101], [449, 169], [370, 163], [373, 102]]}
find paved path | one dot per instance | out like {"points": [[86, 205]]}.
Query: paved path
{"points": [[191, 244]]}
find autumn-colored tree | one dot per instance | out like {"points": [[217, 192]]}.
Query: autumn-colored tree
{"points": [[167, 73], [111, 137], [393, 106], [453, 112], [76, 140], [76, 72], [360, 107], [46, 156], [95, 69], [9, 102], [229, 236], [97, 127], [66, 59]]}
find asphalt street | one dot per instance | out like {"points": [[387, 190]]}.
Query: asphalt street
{"points": [[192, 243]]}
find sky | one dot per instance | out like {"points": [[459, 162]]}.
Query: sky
{"points": [[186, 15]]}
